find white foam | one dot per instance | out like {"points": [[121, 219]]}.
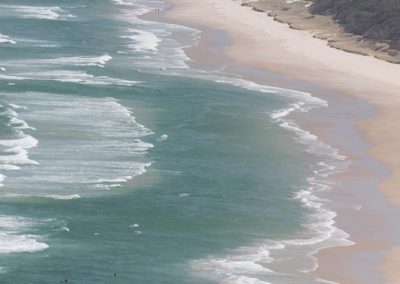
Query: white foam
{"points": [[61, 197], [14, 150], [10, 77], [7, 167], [9, 113], [19, 124], [243, 280], [2, 177], [137, 169], [104, 59], [10, 243], [120, 179], [65, 228], [162, 137], [6, 39], [164, 51], [311, 141], [13, 239], [37, 12], [37, 43], [49, 196], [143, 40], [122, 2], [78, 77], [238, 266], [141, 146], [105, 148], [286, 111], [243, 265], [14, 106], [99, 61], [305, 100], [134, 8], [25, 142], [19, 158]]}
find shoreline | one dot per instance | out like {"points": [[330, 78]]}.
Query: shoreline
{"points": [[304, 66], [297, 15]]}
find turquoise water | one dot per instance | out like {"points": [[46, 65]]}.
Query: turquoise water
{"points": [[117, 158]]}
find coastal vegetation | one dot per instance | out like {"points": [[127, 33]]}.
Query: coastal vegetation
{"points": [[377, 20]]}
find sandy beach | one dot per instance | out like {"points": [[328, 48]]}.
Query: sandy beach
{"points": [[257, 41]]}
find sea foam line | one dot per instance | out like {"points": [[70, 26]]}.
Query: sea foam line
{"points": [[122, 2], [99, 61], [142, 40], [164, 51], [14, 237], [15, 149], [38, 12], [77, 77], [6, 39], [49, 196]]}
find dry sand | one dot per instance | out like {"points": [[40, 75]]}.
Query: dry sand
{"points": [[256, 40], [296, 14]]}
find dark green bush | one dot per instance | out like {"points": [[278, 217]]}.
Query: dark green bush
{"points": [[373, 19]]}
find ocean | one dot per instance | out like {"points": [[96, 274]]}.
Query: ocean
{"points": [[119, 163]]}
